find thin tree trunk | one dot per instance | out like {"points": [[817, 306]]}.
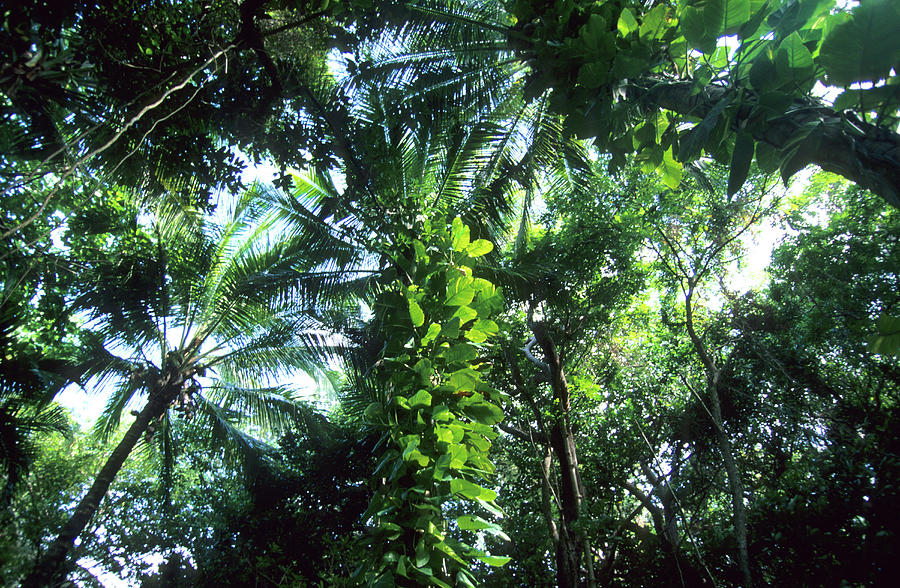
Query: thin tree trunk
{"points": [[737, 487], [52, 567], [739, 511], [571, 544]]}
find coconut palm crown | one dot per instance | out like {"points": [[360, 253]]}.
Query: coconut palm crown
{"points": [[182, 323]]}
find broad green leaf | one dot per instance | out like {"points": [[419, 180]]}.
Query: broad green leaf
{"points": [[463, 379], [465, 314], [393, 530], [422, 555], [416, 314], [458, 455], [793, 61], [460, 291], [483, 286], [655, 22], [864, 48], [799, 153], [741, 159], [627, 23], [703, 21], [886, 341], [419, 247], [484, 412], [594, 74], [670, 170], [473, 523], [766, 157], [491, 508], [451, 329], [444, 548], [425, 369], [487, 326], [494, 560], [471, 490], [421, 399], [459, 235], [443, 434], [374, 411], [868, 99], [694, 139], [460, 352], [434, 330], [479, 247]]}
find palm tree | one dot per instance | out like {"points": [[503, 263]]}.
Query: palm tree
{"points": [[184, 324]]}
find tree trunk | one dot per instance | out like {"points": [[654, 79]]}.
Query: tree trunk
{"points": [[571, 544], [50, 569], [739, 511], [737, 487]]}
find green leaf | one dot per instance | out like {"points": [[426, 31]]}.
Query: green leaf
{"points": [[670, 170], [627, 23], [374, 411], [465, 314], [703, 21], [481, 411], [471, 490], [741, 159], [886, 341], [655, 22], [434, 330], [393, 530], [460, 352], [486, 326], [694, 139], [463, 379], [419, 247], [479, 247], [796, 55], [451, 329], [422, 555], [868, 99], [494, 560], [460, 291], [766, 157], [421, 399], [458, 453], [473, 523], [459, 235], [864, 48], [800, 152], [416, 314]]}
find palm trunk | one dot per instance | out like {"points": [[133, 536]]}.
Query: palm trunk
{"points": [[52, 567]]}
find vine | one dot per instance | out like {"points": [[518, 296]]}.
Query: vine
{"points": [[437, 413]]}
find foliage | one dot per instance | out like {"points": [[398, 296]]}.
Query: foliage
{"points": [[436, 410], [633, 74]]}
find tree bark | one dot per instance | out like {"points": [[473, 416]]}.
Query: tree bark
{"points": [[50, 569], [859, 151], [570, 547], [739, 511]]}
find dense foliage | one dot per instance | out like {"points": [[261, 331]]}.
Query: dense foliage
{"points": [[491, 322]]}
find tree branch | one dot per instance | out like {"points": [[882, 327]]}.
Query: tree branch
{"points": [[862, 152]]}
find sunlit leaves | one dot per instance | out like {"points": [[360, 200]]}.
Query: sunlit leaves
{"points": [[865, 47], [439, 417]]}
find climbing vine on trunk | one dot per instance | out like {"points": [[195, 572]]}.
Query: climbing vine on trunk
{"points": [[437, 413]]}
